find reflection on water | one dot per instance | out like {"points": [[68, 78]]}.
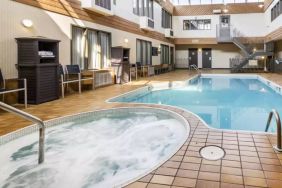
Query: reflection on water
{"points": [[222, 102]]}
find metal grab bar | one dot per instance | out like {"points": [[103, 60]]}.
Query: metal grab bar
{"points": [[34, 119], [278, 124]]}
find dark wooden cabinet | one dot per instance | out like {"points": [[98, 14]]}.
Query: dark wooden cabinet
{"points": [[38, 62], [120, 64]]}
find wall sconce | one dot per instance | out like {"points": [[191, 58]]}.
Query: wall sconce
{"points": [[200, 50], [126, 41], [261, 5], [225, 10], [27, 23], [262, 57], [254, 50]]}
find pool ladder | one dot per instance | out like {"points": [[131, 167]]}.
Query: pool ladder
{"points": [[278, 125], [34, 119]]}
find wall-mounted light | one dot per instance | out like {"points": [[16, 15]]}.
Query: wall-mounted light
{"points": [[262, 57], [254, 49], [200, 50], [225, 10], [27, 23], [261, 5], [126, 41]]}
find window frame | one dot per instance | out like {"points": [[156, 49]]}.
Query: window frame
{"points": [[197, 20], [146, 51], [144, 8], [165, 47], [166, 19], [276, 10], [91, 29]]}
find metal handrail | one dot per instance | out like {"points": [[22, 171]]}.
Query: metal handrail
{"points": [[278, 124], [34, 119], [194, 67]]}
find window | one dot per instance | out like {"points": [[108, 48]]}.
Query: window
{"points": [[104, 3], [164, 54], [196, 24], [276, 10], [166, 19], [90, 48], [144, 8], [143, 52]]}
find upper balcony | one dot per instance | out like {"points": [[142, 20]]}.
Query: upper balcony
{"points": [[104, 7]]}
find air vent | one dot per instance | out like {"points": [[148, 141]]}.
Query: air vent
{"points": [[147, 23], [168, 33], [104, 7]]}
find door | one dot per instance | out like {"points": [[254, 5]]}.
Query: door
{"points": [[224, 28], [225, 20], [207, 57], [193, 56], [171, 55]]}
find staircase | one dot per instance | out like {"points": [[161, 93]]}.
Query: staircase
{"points": [[232, 35]]}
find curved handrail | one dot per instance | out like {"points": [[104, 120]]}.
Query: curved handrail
{"points": [[34, 119], [278, 124]]}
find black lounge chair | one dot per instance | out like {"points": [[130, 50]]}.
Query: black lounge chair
{"points": [[72, 75], [75, 70], [4, 90], [65, 80]]}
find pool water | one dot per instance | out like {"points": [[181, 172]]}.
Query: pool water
{"points": [[222, 101], [97, 151]]}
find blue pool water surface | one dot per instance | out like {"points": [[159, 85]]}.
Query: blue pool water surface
{"points": [[237, 103]]}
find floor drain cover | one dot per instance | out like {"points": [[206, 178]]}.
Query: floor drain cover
{"points": [[212, 153]]}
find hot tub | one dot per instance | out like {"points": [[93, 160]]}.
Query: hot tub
{"points": [[106, 148]]}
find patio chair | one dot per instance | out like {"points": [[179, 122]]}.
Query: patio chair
{"points": [[164, 68], [75, 70], [133, 71], [65, 80], [4, 90]]}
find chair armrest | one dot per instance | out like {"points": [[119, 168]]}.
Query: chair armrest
{"points": [[22, 79], [73, 74]]}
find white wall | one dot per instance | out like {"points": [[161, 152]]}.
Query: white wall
{"points": [[221, 53], [51, 25], [275, 24], [250, 25]]}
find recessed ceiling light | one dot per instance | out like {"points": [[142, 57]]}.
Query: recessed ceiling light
{"points": [[260, 5]]}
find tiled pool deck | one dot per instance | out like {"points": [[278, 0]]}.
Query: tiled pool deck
{"points": [[249, 162]]}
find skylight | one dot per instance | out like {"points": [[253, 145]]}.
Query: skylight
{"points": [[205, 2]]}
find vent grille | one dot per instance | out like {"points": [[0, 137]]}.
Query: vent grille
{"points": [[151, 23]]}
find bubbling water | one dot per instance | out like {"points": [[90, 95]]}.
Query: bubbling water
{"points": [[101, 152]]}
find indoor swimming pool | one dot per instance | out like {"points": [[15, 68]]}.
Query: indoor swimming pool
{"points": [[223, 101]]}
